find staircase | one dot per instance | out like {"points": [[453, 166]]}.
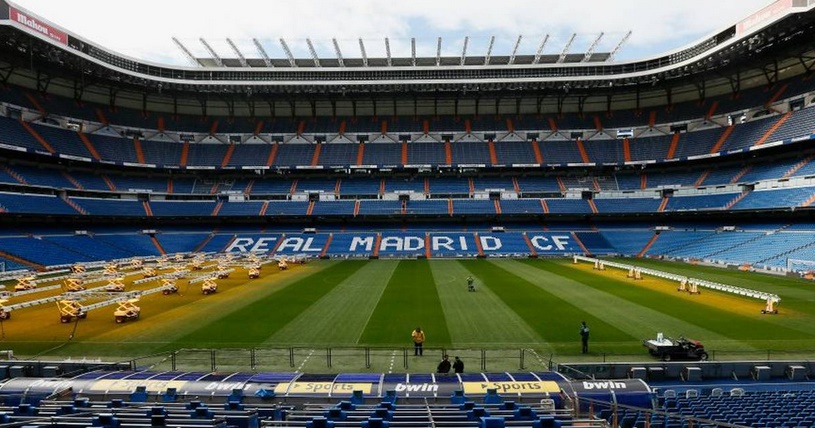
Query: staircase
{"points": [[798, 166], [740, 174], [809, 201], [13, 174], [37, 137], [647, 246], [776, 256], [21, 261], [701, 178], [662, 205], [735, 200], [716, 253], [88, 145], [72, 180], [217, 208], [73, 205]]}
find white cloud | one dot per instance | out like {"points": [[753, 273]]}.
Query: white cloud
{"points": [[144, 28]]}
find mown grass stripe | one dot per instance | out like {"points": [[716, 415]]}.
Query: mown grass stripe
{"points": [[410, 300], [635, 319], [479, 318], [340, 316], [797, 296], [263, 317], [796, 293], [727, 323], [554, 319]]}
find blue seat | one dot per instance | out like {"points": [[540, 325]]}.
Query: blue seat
{"points": [[383, 414], [202, 412], [105, 420], [546, 422], [346, 405], [492, 422], [458, 397], [169, 396], [157, 410], [233, 405], [508, 405], [236, 396], [335, 414], [26, 410], [320, 422], [467, 405], [375, 423], [525, 413], [492, 397], [477, 413], [66, 409], [390, 396], [139, 395], [357, 397]]}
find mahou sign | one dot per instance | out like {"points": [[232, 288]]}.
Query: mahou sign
{"points": [[37, 25]]}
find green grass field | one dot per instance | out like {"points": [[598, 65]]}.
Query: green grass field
{"points": [[321, 316]]}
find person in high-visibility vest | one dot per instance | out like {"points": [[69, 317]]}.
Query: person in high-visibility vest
{"points": [[418, 340]]}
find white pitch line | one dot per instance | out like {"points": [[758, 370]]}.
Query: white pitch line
{"points": [[540, 359], [305, 360], [393, 361]]}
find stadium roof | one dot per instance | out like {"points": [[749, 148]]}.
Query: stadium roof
{"points": [[762, 48]]}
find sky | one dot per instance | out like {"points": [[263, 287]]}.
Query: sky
{"points": [[144, 29]]}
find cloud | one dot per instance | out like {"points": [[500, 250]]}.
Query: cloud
{"points": [[144, 29]]}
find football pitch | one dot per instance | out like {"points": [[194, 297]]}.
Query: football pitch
{"points": [[357, 315]]}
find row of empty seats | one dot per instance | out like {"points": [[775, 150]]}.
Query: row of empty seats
{"points": [[59, 178], [777, 199], [746, 99], [761, 248], [652, 145]]}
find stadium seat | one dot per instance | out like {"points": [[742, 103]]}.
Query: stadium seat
{"points": [[458, 397], [492, 397]]}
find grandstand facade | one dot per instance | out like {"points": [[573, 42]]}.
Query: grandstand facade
{"points": [[412, 157], [702, 153]]}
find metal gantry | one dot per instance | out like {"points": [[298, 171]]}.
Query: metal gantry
{"points": [[438, 52], [388, 50], [238, 52], [338, 52], [515, 50], [186, 52], [565, 50], [619, 45], [592, 48], [212, 52], [489, 51], [286, 49], [362, 51], [540, 50], [313, 53], [464, 49], [262, 52]]}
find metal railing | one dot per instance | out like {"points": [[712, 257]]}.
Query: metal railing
{"points": [[402, 359]]}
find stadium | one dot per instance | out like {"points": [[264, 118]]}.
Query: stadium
{"points": [[250, 240]]}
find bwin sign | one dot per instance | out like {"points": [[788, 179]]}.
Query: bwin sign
{"points": [[604, 385], [419, 387]]}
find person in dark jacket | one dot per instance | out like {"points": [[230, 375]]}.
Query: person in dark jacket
{"points": [[458, 365], [444, 365], [584, 337]]}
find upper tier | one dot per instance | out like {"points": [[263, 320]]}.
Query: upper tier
{"points": [[557, 148]]}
